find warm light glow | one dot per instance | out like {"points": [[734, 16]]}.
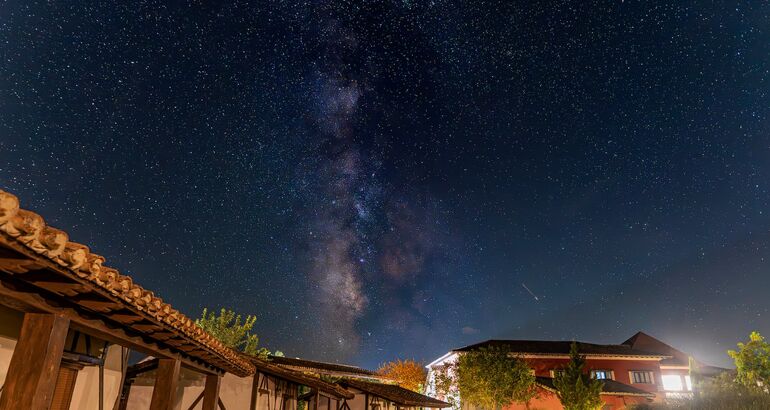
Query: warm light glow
{"points": [[672, 382]]}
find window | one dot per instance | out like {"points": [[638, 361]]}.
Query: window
{"points": [[601, 374], [556, 372], [672, 382], [688, 382], [641, 376]]}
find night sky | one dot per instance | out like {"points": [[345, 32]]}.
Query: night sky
{"points": [[385, 179]]}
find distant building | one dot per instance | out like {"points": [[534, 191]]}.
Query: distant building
{"points": [[372, 391], [282, 383], [640, 370]]}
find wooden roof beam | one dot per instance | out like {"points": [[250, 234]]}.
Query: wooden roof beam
{"points": [[16, 297]]}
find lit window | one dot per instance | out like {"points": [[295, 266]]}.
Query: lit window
{"points": [[556, 372], [672, 382], [641, 377], [601, 374], [688, 382]]}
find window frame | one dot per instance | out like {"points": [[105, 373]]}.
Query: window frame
{"points": [[554, 372], [650, 374], [682, 387], [609, 373]]}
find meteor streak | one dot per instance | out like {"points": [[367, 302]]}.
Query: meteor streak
{"points": [[530, 292]]}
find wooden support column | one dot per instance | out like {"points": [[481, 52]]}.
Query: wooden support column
{"points": [[211, 391], [34, 366], [254, 391], [166, 380]]}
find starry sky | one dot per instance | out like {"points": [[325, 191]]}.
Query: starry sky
{"points": [[383, 179]]}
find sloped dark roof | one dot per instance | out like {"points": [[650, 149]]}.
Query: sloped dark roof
{"points": [[644, 341], [396, 394], [677, 357], [298, 377], [316, 366], [609, 387], [551, 347]]}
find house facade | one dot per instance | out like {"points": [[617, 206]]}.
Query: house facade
{"points": [[640, 370]]}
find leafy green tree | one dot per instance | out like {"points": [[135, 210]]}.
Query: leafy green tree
{"points": [[489, 378], [444, 382], [576, 389], [752, 363], [228, 328]]}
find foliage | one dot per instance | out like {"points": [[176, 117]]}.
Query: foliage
{"points": [[489, 378], [752, 363], [445, 384], [407, 373], [228, 328], [745, 388], [719, 393], [576, 389], [330, 379]]}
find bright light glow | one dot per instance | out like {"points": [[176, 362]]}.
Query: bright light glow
{"points": [[672, 382], [600, 374], [688, 382]]}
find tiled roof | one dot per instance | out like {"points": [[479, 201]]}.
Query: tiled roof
{"points": [[396, 394], [549, 347], [300, 378], [315, 366], [84, 272], [609, 387]]}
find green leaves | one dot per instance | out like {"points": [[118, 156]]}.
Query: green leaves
{"points": [[489, 378], [752, 362], [576, 389], [227, 327]]}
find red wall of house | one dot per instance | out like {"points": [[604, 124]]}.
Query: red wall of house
{"points": [[620, 368], [548, 400], [545, 400]]}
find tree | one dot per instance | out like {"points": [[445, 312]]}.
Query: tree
{"points": [[227, 327], [576, 389], [752, 363], [407, 373], [489, 378]]}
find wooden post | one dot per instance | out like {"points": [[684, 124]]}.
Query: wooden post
{"points": [[254, 391], [211, 391], [34, 366], [166, 379]]}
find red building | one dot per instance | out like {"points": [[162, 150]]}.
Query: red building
{"points": [[640, 370]]}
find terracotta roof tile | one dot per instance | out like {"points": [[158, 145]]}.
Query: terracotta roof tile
{"points": [[23, 229], [395, 393], [316, 366], [298, 377]]}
